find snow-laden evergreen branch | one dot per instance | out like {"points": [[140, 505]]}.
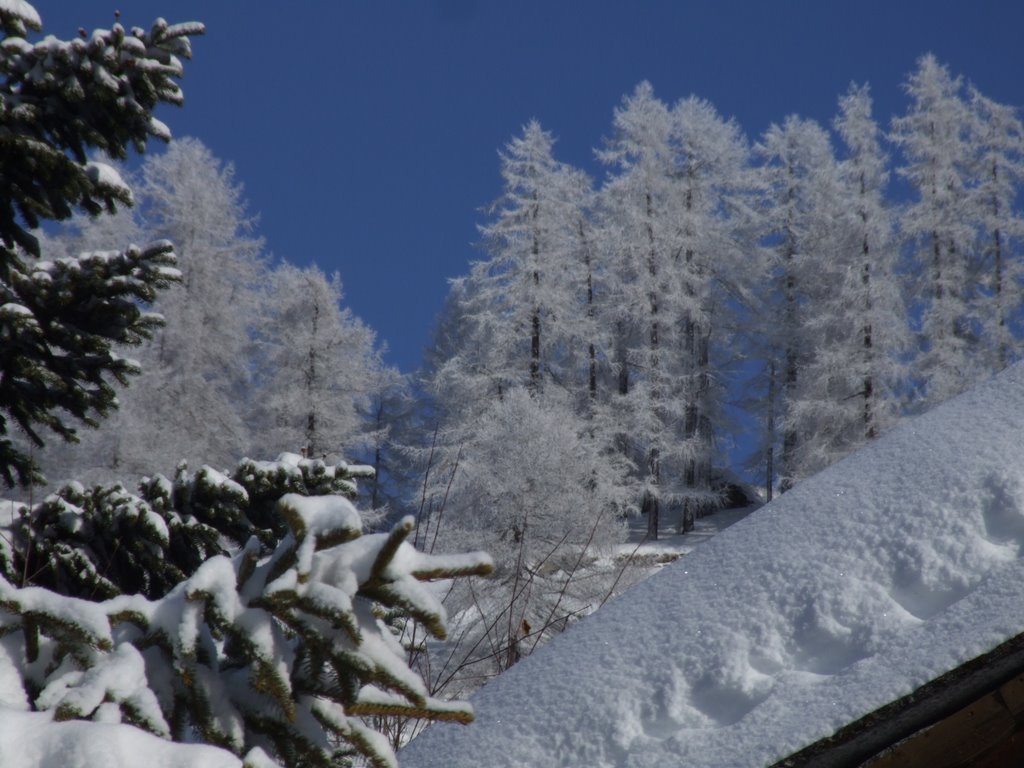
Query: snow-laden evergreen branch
{"points": [[281, 651]]}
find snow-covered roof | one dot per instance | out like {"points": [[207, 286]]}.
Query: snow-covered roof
{"points": [[852, 590]]}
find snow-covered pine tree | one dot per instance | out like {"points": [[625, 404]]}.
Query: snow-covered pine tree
{"points": [[104, 541], [59, 320], [934, 137], [278, 656], [997, 140], [100, 542], [83, 233], [94, 458]]}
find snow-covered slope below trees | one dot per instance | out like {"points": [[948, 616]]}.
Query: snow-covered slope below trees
{"points": [[862, 583]]}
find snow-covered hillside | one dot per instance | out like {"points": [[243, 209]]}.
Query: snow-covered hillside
{"points": [[853, 589]]}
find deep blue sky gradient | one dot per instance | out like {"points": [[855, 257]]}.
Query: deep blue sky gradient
{"points": [[366, 133]]}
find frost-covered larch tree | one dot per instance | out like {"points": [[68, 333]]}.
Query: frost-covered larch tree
{"points": [[539, 496], [714, 182], [582, 342], [804, 221], [194, 398], [851, 321], [523, 316], [497, 332], [197, 377], [276, 654], [997, 139], [857, 362], [639, 229], [392, 423], [320, 365], [448, 402], [934, 138], [522, 305], [60, 319]]}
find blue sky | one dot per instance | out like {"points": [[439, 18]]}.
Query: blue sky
{"points": [[366, 133]]}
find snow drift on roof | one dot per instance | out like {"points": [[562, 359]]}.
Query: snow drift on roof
{"points": [[858, 586]]}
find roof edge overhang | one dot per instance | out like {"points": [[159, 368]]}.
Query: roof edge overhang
{"points": [[934, 701]]}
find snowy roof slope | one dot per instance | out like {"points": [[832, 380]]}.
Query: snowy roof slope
{"points": [[858, 586]]}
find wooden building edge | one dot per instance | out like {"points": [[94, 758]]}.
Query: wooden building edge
{"points": [[970, 716]]}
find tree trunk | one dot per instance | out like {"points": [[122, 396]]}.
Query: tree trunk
{"points": [[650, 505], [591, 351], [1002, 353], [535, 353], [769, 479], [790, 438], [870, 431]]}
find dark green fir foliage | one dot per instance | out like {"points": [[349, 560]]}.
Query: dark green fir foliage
{"points": [[105, 541], [58, 324], [267, 481], [59, 320], [278, 656], [101, 542]]}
